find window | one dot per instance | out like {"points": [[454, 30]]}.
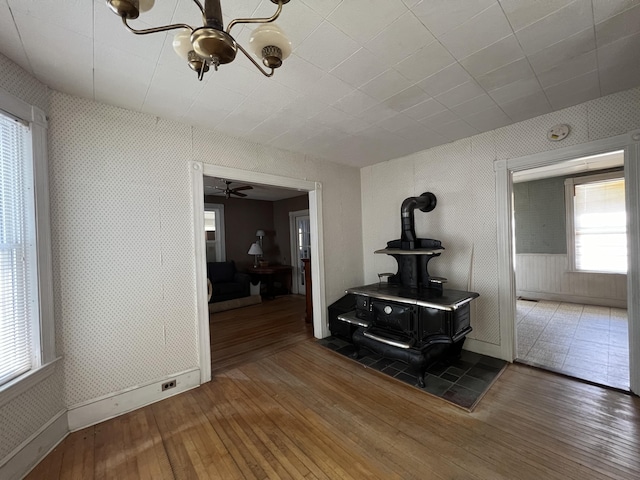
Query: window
{"points": [[597, 223], [27, 348], [17, 250]]}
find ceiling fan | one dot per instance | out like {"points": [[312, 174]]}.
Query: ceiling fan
{"points": [[233, 191]]}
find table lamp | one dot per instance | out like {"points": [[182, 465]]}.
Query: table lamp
{"points": [[256, 251]]}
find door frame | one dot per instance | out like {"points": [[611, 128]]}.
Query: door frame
{"points": [[220, 230], [197, 172], [293, 242], [504, 170]]}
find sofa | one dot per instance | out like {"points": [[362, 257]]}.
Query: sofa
{"points": [[226, 282]]}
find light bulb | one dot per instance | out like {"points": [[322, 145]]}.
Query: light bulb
{"points": [[182, 43], [269, 34], [145, 5]]}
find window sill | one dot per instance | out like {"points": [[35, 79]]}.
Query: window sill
{"points": [[24, 382], [592, 272]]}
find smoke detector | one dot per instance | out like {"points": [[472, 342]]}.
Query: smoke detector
{"points": [[558, 132]]}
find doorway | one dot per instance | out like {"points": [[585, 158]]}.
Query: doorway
{"points": [[570, 244], [314, 191], [506, 254]]}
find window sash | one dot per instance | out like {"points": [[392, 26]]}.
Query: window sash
{"points": [[597, 223]]}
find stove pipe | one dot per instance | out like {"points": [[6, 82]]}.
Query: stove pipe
{"points": [[425, 202]]}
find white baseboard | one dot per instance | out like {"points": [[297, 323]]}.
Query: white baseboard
{"points": [[561, 297], [29, 453], [484, 348], [103, 408]]}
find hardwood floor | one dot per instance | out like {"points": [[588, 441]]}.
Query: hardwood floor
{"points": [[249, 333], [302, 411]]}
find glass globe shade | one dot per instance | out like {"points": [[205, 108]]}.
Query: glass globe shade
{"points": [[182, 43], [145, 5], [269, 34]]}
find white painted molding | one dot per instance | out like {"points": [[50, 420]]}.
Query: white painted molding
{"points": [[199, 245], [18, 386], [506, 273], [563, 297], [484, 348], [320, 323], [100, 409], [29, 453], [632, 191]]}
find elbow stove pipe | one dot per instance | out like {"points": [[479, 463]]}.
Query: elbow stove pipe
{"points": [[425, 202]]}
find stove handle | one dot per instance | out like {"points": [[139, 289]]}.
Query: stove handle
{"points": [[388, 341]]}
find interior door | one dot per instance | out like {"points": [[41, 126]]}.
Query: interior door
{"points": [[300, 247]]}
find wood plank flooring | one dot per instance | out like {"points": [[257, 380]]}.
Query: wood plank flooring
{"points": [[304, 412]]}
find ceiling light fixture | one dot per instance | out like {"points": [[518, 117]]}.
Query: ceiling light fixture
{"points": [[211, 44]]}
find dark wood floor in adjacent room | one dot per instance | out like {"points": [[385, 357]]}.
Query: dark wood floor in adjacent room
{"points": [[297, 410]]}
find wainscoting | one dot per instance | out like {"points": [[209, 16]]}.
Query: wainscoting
{"points": [[545, 277]]}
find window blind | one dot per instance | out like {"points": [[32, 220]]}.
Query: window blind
{"points": [[601, 226], [17, 255]]}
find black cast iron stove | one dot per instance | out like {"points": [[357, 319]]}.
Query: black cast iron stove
{"points": [[411, 317]]}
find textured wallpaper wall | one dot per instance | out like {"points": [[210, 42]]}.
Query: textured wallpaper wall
{"points": [[462, 177], [123, 238], [24, 415]]}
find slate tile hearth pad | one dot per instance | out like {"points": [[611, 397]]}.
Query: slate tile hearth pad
{"points": [[463, 382]]}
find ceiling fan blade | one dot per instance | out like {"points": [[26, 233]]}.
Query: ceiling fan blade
{"points": [[245, 187], [238, 194]]}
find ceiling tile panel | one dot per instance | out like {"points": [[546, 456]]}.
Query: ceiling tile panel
{"points": [[398, 122], [556, 27], [455, 130], [522, 13], [494, 56], [614, 79], [385, 85], [323, 7], [577, 66], [425, 62], [364, 19], [621, 54], [527, 107], [460, 94], [622, 25], [445, 80], [576, 90], [563, 51], [406, 98], [10, 39], [435, 122], [425, 109], [475, 105], [329, 89], [488, 119], [327, 47], [299, 74], [400, 39], [359, 68], [518, 70], [442, 16], [355, 102], [479, 32], [70, 15], [603, 9], [517, 89]]}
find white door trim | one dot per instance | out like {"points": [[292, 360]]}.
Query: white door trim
{"points": [[293, 243], [198, 171], [221, 246], [506, 276]]}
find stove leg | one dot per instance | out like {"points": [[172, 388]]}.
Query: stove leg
{"points": [[356, 354], [421, 379]]}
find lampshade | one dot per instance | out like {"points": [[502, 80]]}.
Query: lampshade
{"points": [[269, 34], [255, 249], [182, 43], [146, 5], [260, 233]]}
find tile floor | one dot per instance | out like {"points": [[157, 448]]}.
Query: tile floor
{"points": [[583, 341]]}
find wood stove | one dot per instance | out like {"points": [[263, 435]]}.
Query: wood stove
{"points": [[411, 317]]}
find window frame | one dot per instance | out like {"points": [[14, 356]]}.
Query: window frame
{"points": [[569, 185], [43, 337]]}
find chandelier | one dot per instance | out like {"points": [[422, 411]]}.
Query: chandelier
{"points": [[211, 44]]}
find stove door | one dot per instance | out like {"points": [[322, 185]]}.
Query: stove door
{"points": [[393, 316]]}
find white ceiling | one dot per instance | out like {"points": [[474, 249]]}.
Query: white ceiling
{"points": [[368, 80], [258, 192]]}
